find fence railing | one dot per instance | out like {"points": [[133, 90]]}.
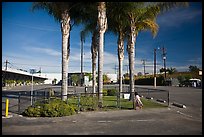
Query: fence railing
{"points": [[19, 101]]}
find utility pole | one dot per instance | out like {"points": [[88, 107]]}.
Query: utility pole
{"points": [[6, 64], [5, 75], [143, 62], [155, 80], [127, 68], [40, 71], [164, 58], [82, 52], [116, 69]]}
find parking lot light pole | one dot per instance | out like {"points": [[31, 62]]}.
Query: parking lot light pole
{"points": [[32, 71], [31, 98], [155, 79]]}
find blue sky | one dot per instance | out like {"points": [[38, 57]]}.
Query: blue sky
{"points": [[33, 40]]}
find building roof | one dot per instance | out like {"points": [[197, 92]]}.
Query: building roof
{"points": [[11, 70]]}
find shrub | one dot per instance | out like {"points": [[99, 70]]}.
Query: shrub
{"points": [[111, 92], [88, 103], [32, 111], [53, 108], [105, 92]]}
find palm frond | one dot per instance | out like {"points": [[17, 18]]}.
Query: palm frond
{"points": [[54, 9], [149, 24]]}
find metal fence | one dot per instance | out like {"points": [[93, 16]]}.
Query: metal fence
{"points": [[19, 101]]}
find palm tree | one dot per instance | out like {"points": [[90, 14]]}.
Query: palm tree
{"points": [[118, 24], [94, 50], [171, 70], [102, 26], [98, 31], [143, 16], [89, 20], [61, 11], [82, 38]]}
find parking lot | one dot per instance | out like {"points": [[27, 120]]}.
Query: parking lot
{"points": [[166, 121]]}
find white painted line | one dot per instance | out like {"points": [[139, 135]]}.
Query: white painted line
{"points": [[143, 120], [184, 114], [103, 121]]}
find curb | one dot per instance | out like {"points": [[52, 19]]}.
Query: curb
{"points": [[160, 100], [179, 105], [149, 97]]}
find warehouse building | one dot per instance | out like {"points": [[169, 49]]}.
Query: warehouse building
{"points": [[16, 77]]}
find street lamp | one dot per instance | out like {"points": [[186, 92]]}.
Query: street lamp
{"points": [[32, 71], [155, 79], [143, 62]]}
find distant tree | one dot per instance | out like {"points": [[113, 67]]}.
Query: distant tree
{"points": [[106, 79], [126, 75], [171, 70], [181, 79], [54, 81], [75, 79], [193, 68], [139, 73], [89, 75], [161, 70], [187, 77]]}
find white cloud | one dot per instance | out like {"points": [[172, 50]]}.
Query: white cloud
{"points": [[28, 26], [46, 51]]}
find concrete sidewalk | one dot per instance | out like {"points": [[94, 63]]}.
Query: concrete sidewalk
{"points": [[161, 121]]}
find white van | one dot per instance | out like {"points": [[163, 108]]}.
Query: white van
{"points": [[195, 82]]}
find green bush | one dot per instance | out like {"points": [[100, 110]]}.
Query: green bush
{"points": [[88, 103], [105, 92], [32, 111], [111, 92], [53, 108]]}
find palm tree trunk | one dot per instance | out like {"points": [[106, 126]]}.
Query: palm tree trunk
{"points": [[102, 24], [65, 28], [131, 53], [94, 55], [120, 60]]}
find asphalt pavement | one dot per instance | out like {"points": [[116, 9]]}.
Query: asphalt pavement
{"points": [[156, 121]]}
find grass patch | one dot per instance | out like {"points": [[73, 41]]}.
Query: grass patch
{"points": [[110, 102], [148, 103]]}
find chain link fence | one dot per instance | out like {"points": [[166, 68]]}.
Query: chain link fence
{"points": [[82, 97]]}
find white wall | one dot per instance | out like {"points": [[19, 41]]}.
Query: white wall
{"points": [[113, 77], [51, 77]]}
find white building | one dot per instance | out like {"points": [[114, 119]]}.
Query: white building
{"points": [[113, 77], [51, 76]]}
